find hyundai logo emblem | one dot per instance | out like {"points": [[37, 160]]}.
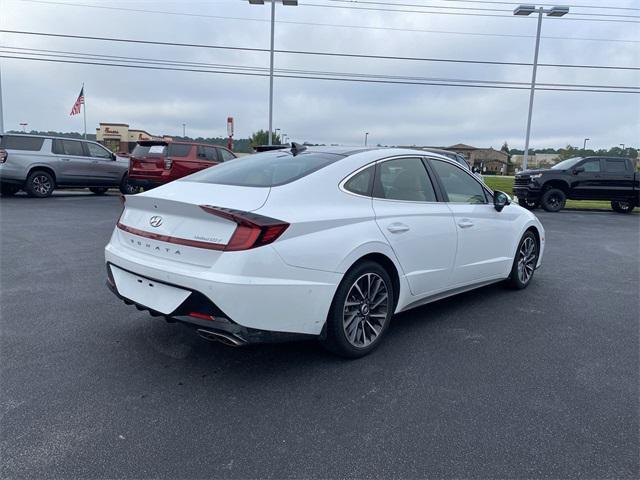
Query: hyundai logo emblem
{"points": [[155, 221]]}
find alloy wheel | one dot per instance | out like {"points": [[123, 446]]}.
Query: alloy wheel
{"points": [[527, 257], [41, 184], [365, 310]]}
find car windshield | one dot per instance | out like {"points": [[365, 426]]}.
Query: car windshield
{"points": [[268, 169], [566, 164]]}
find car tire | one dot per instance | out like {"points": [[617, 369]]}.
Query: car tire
{"points": [[8, 190], [99, 190], [528, 204], [126, 188], [553, 200], [622, 207], [525, 261], [361, 311], [40, 184]]}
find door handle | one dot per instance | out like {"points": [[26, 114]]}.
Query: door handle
{"points": [[65, 159], [398, 228], [465, 223]]}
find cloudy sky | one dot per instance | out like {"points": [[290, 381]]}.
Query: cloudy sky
{"points": [[158, 101]]}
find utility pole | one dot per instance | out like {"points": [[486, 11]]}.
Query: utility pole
{"points": [[1, 112], [184, 130], [366, 135]]}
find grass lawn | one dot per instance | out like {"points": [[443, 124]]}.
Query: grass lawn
{"points": [[506, 185]]}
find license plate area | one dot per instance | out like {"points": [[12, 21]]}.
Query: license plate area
{"points": [[149, 293]]}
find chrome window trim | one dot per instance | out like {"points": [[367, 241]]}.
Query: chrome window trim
{"points": [[382, 160]]}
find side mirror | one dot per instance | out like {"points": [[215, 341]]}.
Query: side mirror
{"points": [[500, 200], [577, 170], [113, 156]]}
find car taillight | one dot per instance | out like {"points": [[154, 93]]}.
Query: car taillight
{"points": [[123, 200], [3, 156], [167, 163], [253, 230]]}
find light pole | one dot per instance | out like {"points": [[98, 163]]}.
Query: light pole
{"points": [[1, 114], [584, 144], [524, 10], [366, 135], [623, 149], [291, 3], [184, 130], [276, 134], [24, 126]]}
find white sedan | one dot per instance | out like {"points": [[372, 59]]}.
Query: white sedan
{"points": [[320, 242]]}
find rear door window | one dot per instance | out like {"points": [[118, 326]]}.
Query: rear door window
{"points": [[178, 150], [403, 179], [11, 142], [208, 153], [68, 147], [615, 166]]}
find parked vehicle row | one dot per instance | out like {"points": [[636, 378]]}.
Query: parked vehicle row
{"points": [[326, 243], [41, 164], [589, 178]]}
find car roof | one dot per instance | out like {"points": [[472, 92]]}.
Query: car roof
{"points": [[52, 137]]}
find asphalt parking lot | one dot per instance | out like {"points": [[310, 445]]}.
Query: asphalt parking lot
{"points": [[541, 383]]}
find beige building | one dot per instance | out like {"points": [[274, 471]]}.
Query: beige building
{"points": [[488, 160], [118, 137]]}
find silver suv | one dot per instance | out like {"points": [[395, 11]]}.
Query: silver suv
{"points": [[40, 164]]}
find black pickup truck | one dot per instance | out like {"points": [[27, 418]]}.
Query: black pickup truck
{"points": [[588, 178]]}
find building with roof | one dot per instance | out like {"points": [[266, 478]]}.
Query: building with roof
{"points": [[118, 137], [488, 160]]}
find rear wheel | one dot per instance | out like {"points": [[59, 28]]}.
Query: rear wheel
{"points": [[127, 188], [553, 200], [524, 263], [360, 312], [99, 190], [39, 184], [622, 206], [7, 189]]}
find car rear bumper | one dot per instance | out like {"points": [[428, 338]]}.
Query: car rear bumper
{"points": [[290, 300], [145, 183]]}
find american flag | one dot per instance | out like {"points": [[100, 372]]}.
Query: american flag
{"points": [[80, 101]]}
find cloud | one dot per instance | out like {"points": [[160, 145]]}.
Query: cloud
{"points": [[315, 110]]}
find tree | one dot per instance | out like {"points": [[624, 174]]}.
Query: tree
{"points": [[261, 137]]}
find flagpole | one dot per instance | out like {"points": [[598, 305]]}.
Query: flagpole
{"points": [[85, 111]]}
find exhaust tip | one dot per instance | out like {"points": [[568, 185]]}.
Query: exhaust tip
{"points": [[222, 337]]}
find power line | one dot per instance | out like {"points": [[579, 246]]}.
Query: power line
{"points": [[430, 12], [310, 77], [495, 2], [318, 24], [315, 53], [92, 56], [510, 12]]}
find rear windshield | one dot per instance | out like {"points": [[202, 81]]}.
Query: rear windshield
{"points": [[142, 150], [11, 142], [268, 169]]}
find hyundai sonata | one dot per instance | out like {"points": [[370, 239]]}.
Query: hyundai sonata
{"points": [[320, 242]]}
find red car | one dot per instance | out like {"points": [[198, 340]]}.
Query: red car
{"points": [[154, 163]]}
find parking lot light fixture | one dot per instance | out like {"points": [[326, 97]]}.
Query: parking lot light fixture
{"points": [[289, 3], [584, 145], [523, 11]]}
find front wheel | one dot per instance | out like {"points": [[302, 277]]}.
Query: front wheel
{"points": [[553, 200], [39, 184], [360, 312], [127, 188], [524, 263], [622, 206]]}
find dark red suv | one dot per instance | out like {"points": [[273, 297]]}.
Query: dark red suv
{"points": [[154, 163]]}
